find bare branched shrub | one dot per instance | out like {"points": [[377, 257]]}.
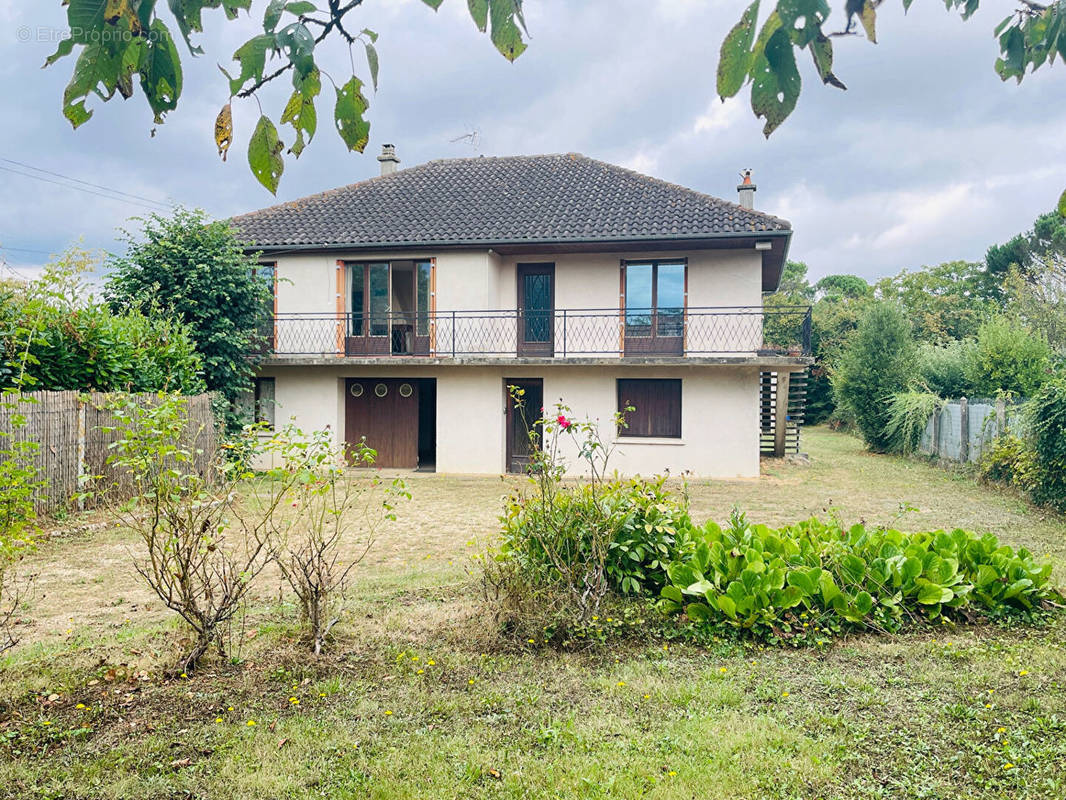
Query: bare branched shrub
{"points": [[335, 518], [204, 537]]}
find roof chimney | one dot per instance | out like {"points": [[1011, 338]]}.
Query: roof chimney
{"points": [[746, 189], [388, 159]]}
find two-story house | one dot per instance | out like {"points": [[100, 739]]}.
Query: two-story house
{"points": [[406, 305]]}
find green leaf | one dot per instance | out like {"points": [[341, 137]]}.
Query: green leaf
{"points": [[930, 593], [272, 16], [300, 111], [803, 582], [1062, 205], [776, 84], [698, 612], [735, 58], [821, 48], [505, 16], [348, 115], [298, 45], [434, 4], [479, 11], [95, 71], [372, 62], [868, 17], [812, 13], [264, 154], [252, 58], [727, 606], [672, 593], [160, 70], [301, 7]]}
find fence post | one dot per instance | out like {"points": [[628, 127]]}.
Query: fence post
{"points": [[781, 414], [82, 400], [1001, 416], [935, 449], [964, 430]]}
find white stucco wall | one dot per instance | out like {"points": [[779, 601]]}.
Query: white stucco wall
{"points": [[720, 413], [480, 280]]}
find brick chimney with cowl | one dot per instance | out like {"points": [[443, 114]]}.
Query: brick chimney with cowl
{"points": [[746, 190]]}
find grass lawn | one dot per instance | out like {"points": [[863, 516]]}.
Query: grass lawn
{"points": [[420, 698]]}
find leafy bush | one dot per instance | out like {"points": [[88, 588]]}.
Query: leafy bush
{"points": [[1011, 461], [645, 529], [908, 414], [568, 548], [876, 363], [944, 368], [55, 336], [197, 270], [782, 584], [1047, 426], [1008, 358]]}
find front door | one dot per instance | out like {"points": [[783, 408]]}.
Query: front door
{"points": [[536, 309], [385, 412], [522, 416]]}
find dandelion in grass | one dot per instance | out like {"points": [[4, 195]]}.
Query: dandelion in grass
{"points": [[1001, 730], [1008, 765], [388, 713], [621, 683], [431, 662], [671, 773], [250, 723], [80, 706], [471, 681], [229, 708], [1023, 673], [218, 719], [784, 694], [647, 697], [723, 670], [420, 672]]}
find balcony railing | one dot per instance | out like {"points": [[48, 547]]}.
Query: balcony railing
{"points": [[671, 332]]}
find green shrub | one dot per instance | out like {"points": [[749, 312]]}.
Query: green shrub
{"points": [[943, 368], [877, 362], [1008, 358], [908, 415], [646, 529], [817, 576], [1010, 461], [1047, 426]]}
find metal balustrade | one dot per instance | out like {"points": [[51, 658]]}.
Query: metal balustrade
{"points": [[672, 332]]}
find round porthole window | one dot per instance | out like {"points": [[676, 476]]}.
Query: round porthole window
{"points": [[381, 390], [356, 390], [405, 390]]}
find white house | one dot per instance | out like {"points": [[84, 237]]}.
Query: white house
{"points": [[405, 305]]}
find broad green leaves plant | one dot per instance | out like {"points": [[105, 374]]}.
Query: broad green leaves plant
{"points": [[120, 40], [819, 578]]}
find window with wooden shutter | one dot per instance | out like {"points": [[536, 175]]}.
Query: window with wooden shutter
{"points": [[655, 404]]}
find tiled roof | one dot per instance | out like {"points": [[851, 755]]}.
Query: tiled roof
{"points": [[550, 198]]}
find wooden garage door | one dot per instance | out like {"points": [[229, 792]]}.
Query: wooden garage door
{"points": [[385, 411]]}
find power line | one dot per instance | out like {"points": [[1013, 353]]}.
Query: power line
{"points": [[25, 250], [157, 206], [85, 183]]}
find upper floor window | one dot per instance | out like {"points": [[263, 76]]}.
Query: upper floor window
{"points": [[655, 296]]}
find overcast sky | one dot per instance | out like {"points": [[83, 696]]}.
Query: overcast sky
{"points": [[928, 156]]}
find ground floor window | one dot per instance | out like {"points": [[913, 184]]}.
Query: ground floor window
{"points": [[655, 405], [263, 407]]}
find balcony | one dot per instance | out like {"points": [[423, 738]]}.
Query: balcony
{"points": [[749, 332]]}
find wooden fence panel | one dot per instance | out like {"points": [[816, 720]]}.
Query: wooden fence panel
{"points": [[73, 439]]}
